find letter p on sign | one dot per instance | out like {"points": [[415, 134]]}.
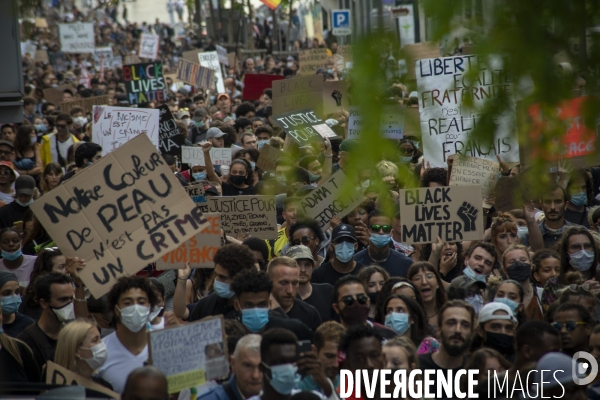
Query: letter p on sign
{"points": [[341, 22]]}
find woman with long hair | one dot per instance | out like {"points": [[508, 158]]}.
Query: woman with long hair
{"points": [[27, 153], [51, 177], [426, 278], [504, 232], [374, 278], [516, 264], [16, 358], [241, 179], [546, 265], [406, 317]]}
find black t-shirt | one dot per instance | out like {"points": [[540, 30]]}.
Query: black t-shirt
{"points": [[18, 325], [44, 350], [325, 273], [301, 331], [426, 362], [13, 372], [33, 312], [579, 218], [397, 264], [305, 313], [212, 305], [321, 299], [230, 190]]}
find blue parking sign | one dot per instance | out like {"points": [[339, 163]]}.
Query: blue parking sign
{"points": [[340, 22]]}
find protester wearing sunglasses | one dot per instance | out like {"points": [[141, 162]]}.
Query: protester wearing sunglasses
{"points": [[379, 251], [575, 324]]}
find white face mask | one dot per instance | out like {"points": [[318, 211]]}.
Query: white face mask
{"points": [[135, 317], [65, 313], [99, 355], [154, 313]]}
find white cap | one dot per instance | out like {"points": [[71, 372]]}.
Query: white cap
{"points": [[487, 312]]}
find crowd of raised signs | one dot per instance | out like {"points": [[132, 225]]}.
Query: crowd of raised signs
{"points": [[300, 307]]}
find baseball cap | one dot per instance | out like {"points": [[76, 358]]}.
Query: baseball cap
{"points": [[413, 94], [223, 95], [214, 132], [211, 189], [464, 282], [300, 252], [24, 185], [182, 114], [487, 312], [8, 164], [7, 143], [199, 114], [348, 144], [341, 231]]}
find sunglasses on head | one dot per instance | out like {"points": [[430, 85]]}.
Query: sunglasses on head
{"points": [[349, 300], [575, 288], [305, 240], [569, 325], [377, 228]]}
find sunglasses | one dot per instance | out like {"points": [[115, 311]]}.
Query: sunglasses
{"points": [[385, 228], [5, 172], [61, 126], [575, 288], [404, 151], [349, 300], [305, 240], [569, 325]]}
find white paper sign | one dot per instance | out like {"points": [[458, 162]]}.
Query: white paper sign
{"points": [[222, 52], [210, 59], [28, 47], [325, 131], [354, 123], [195, 155], [115, 126], [391, 122], [77, 38], [149, 46]]}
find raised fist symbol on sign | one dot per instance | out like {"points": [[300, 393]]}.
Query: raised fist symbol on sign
{"points": [[468, 214], [337, 96]]}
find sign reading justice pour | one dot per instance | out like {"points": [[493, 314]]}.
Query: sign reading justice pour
{"points": [[303, 125]]}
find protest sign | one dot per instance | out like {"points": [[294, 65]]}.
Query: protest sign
{"points": [[298, 93], [190, 355], [114, 126], [252, 214], [131, 59], [41, 23], [28, 47], [170, 139], [102, 52], [191, 55], [311, 60], [222, 53], [303, 125], [196, 193], [450, 104], [332, 198], [57, 375], [149, 46], [419, 51], [199, 251], [467, 171], [145, 82], [210, 59], [77, 38], [452, 213], [335, 97], [255, 84], [120, 214], [343, 58], [55, 95], [354, 123], [41, 55], [391, 122], [268, 157], [86, 103], [195, 155], [195, 74]]}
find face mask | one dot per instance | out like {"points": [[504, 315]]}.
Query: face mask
{"points": [[39, 128], [373, 297], [281, 180], [289, 65], [344, 251], [513, 305], [237, 180], [80, 121], [283, 378], [471, 274], [222, 290], [365, 184], [476, 301], [199, 124], [519, 271], [313, 177], [398, 322], [154, 313], [405, 160], [522, 231], [33, 140], [582, 260], [10, 304], [100, 353], [356, 314], [380, 241], [135, 317], [65, 313], [253, 165], [255, 319], [30, 202], [12, 256], [330, 71], [579, 199], [500, 342], [199, 176], [261, 143]]}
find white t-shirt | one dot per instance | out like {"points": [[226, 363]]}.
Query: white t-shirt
{"points": [[120, 362], [63, 147], [24, 271]]}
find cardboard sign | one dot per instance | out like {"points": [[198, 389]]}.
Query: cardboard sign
{"points": [[255, 84], [210, 59], [419, 51], [114, 126], [343, 57], [86, 103], [191, 56], [194, 74], [468, 171], [447, 122], [301, 125], [41, 23], [55, 95], [452, 213], [199, 250], [190, 355], [170, 139], [335, 97], [332, 198], [145, 83], [195, 155], [297, 93], [131, 59], [77, 38], [196, 193], [268, 158], [222, 53], [41, 56], [311, 60], [149, 46], [391, 122], [252, 214], [57, 375]]}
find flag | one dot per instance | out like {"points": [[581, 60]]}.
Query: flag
{"points": [[272, 4]]}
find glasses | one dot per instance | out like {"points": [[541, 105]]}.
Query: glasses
{"points": [[429, 277], [6, 152], [305, 240], [404, 151], [5, 171], [575, 288], [569, 325], [349, 300], [377, 228], [61, 126]]}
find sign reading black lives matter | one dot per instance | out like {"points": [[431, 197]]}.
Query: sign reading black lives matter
{"points": [[303, 126], [454, 213], [170, 138], [120, 214]]}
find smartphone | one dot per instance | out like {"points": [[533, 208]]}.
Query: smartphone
{"points": [[303, 346]]}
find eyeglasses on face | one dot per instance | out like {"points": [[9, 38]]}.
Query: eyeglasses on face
{"points": [[377, 228], [349, 300], [569, 325], [5, 171], [305, 240]]}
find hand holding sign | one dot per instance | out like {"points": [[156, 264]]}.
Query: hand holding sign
{"points": [[468, 214]]}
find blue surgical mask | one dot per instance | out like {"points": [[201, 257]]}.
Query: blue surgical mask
{"points": [[513, 305], [40, 128], [398, 322], [582, 260], [10, 304], [344, 251], [199, 176], [261, 143], [313, 177], [255, 318], [30, 202], [283, 377], [476, 301], [405, 160], [330, 71], [12, 256], [579, 199], [471, 274], [380, 241], [222, 290]]}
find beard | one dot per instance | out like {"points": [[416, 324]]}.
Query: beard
{"points": [[455, 350]]}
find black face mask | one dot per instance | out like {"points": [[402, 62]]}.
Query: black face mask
{"points": [[373, 297], [519, 271], [500, 342], [237, 180]]}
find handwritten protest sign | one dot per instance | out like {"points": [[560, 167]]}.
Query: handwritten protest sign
{"points": [[57, 375], [452, 213], [222, 52], [104, 58], [268, 157], [343, 58], [467, 171], [28, 47], [199, 251], [86, 103], [311, 60], [145, 82], [355, 123], [335, 97], [131, 59], [195, 74], [115, 126], [303, 125], [190, 355], [195, 155], [170, 138], [255, 84], [331, 198], [149, 46], [77, 38], [196, 192], [100, 52], [252, 214], [120, 214], [447, 122], [210, 59], [297, 94], [41, 56], [391, 122]]}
